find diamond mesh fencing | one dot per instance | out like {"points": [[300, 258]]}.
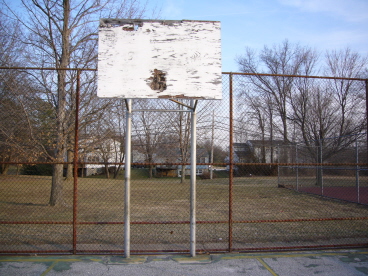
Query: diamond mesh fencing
{"points": [[269, 156], [284, 152], [341, 173], [29, 137]]}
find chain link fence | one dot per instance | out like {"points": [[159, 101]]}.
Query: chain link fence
{"points": [[62, 166], [341, 173]]}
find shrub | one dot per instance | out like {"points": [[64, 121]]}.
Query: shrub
{"points": [[259, 170], [39, 169]]}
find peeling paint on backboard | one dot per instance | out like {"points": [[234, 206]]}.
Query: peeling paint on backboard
{"points": [[159, 59]]}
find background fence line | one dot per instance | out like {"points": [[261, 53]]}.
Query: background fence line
{"points": [[253, 196]]}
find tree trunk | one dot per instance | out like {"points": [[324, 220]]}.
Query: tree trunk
{"points": [[4, 169], [56, 197], [69, 170], [319, 172], [107, 171], [182, 179], [116, 171], [150, 172]]}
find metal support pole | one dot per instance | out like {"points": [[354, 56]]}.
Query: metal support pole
{"points": [[128, 157], [75, 164], [231, 162], [193, 175]]}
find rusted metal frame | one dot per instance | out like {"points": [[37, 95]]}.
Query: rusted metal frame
{"points": [[48, 68], [366, 82], [215, 164], [160, 110], [240, 250], [150, 222], [36, 222], [172, 251], [231, 162], [272, 249], [35, 252], [180, 103], [304, 164], [182, 222], [26, 163], [293, 76], [127, 105], [298, 220], [224, 73], [98, 252], [75, 163], [195, 103]]}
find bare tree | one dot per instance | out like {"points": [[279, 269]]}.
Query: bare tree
{"points": [[332, 108], [103, 134], [183, 128], [63, 34], [150, 129], [283, 59], [22, 110], [316, 109]]}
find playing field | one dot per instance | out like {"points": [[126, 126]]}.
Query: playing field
{"points": [[263, 215]]}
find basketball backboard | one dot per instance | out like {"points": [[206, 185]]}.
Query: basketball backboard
{"points": [[159, 59]]}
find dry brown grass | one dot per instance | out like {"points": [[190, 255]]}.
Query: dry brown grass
{"points": [[25, 198]]}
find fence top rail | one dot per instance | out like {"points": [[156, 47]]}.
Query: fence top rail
{"points": [[291, 76], [48, 68], [224, 73]]}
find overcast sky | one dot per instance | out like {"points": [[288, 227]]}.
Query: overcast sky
{"points": [[321, 24]]}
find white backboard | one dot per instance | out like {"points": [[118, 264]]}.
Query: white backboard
{"points": [[159, 59]]}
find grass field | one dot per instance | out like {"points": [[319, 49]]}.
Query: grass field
{"points": [[165, 200]]}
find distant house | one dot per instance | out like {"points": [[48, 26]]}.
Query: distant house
{"points": [[97, 153], [176, 170], [263, 151], [102, 151], [138, 157]]}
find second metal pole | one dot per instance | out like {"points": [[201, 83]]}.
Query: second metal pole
{"points": [[193, 183], [128, 156]]}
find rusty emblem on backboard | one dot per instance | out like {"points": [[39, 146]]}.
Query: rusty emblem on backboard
{"points": [[158, 80]]}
